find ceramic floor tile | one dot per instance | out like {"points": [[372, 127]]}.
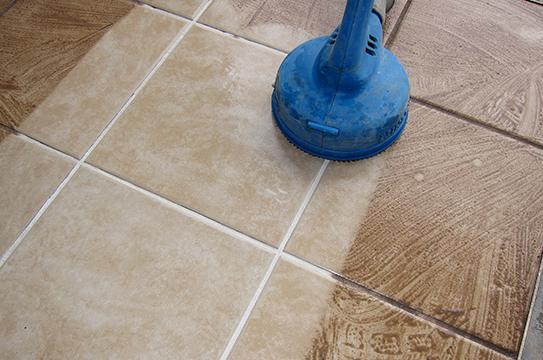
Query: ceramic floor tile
{"points": [[29, 174], [301, 315], [108, 272], [449, 221], [201, 133], [480, 58], [283, 24], [68, 66], [181, 7]]}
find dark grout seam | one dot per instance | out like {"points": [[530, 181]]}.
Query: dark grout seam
{"points": [[474, 121], [397, 25], [40, 142], [412, 311], [155, 7], [8, 6]]}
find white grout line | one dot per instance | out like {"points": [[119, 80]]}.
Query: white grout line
{"points": [[37, 216], [186, 211], [246, 314], [306, 265], [538, 284], [164, 55]]}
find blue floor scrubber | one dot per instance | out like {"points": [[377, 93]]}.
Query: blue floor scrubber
{"points": [[344, 96]]}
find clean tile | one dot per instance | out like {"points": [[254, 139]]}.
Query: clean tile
{"points": [[201, 134], [109, 272], [29, 174]]}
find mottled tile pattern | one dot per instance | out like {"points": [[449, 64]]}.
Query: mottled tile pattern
{"points": [[111, 273], [70, 65], [304, 316], [201, 134], [480, 58], [29, 174], [283, 24], [449, 221], [181, 7]]}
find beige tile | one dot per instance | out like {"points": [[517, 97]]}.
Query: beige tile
{"points": [[283, 24], [29, 174], [304, 316], [201, 133], [480, 58], [66, 85], [108, 272], [181, 7], [449, 221]]}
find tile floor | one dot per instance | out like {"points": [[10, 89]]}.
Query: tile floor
{"points": [[132, 226]]}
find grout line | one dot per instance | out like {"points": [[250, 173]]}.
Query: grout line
{"points": [[474, 121], [213, 28], [193, 214], [7, 7], [40, 144], [537, 287], [163, 11], [241, 38], [6, 255], [332, 275], [164, 55], [395, 30], [243, 321]]}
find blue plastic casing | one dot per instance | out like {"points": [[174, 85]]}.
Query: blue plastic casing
{"points": [[343, 96]]}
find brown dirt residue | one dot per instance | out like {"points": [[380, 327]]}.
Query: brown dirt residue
{"points": [[42, 40]]}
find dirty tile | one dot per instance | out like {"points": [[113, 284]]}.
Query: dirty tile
{"points": [[480, 58], [449, 221], [283, 24], [533, 345], [68, 66], [29, 174], [108, 272], [181, 7], [201, 134], [302, 315], [5, 5]]}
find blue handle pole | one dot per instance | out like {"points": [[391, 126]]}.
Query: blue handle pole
{"points": [[347, 54]]}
